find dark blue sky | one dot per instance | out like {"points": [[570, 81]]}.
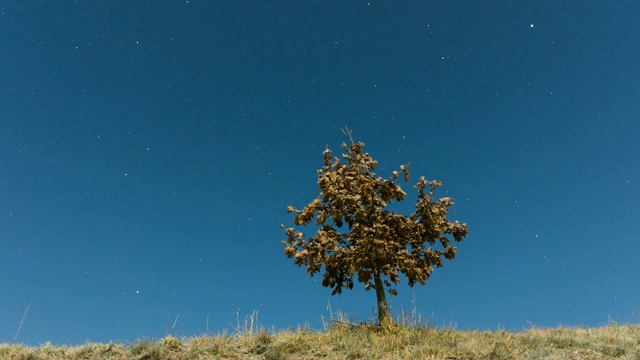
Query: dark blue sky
{"points": [[148, 151]]}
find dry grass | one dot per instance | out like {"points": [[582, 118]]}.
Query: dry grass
{"points": [[342, 340]]}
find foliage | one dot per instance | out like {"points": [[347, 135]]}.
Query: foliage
{"points": [[377, 244]]}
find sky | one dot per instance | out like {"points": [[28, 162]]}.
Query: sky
{"points": [[148, 151]]}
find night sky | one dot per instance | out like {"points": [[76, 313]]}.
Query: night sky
{"points": [[148, 151]]}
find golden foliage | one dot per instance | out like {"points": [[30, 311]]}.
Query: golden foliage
{"points": [[375, 242]]}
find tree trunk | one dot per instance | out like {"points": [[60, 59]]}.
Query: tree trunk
{"points": [[384, 317]]}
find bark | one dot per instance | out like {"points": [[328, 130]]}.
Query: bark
{"points": [[384, 316]]}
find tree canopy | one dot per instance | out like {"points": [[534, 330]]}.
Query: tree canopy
{"points": [[359, 239]]}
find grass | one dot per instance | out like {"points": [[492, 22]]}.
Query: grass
{"points": [[342, 339]]}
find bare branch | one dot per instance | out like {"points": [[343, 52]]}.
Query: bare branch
{"points": [[348, 132]]}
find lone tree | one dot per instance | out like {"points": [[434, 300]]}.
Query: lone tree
{"points": [[377, 244]]}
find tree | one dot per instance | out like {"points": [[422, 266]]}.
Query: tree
{"points": [[377, 244]]}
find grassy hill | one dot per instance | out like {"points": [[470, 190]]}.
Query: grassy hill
{"points": [[343, 340]]}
